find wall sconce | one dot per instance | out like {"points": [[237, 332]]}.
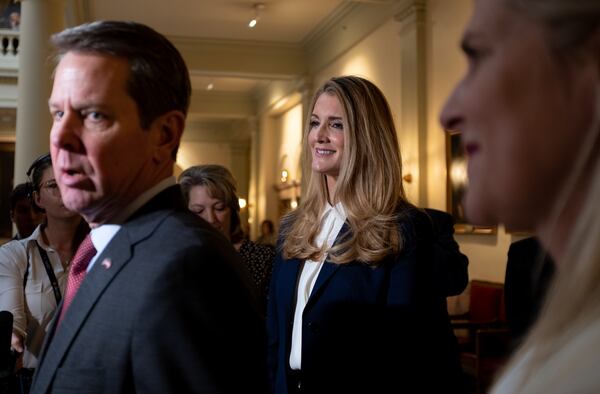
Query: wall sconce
{"points": [[243, 203], [458, 172], [284, 175], [294, 204], [258, 8]]}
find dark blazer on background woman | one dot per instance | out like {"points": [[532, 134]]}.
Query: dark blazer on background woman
{"points": [[364, 328]]}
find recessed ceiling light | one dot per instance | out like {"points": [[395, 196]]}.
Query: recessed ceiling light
{"points": [[258, 8], [210, 86]]}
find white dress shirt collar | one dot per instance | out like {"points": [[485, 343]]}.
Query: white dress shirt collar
{"points": [[143, 199], [103, 234]]}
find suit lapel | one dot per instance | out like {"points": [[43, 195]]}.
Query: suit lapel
{"points": [[328, 269], [116, 255], [289, 277]]}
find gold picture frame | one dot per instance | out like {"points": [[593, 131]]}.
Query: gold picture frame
{"points": [[456, 184]]}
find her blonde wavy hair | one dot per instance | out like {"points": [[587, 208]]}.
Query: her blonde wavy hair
{"points": [[369, 184], [573, 302]]}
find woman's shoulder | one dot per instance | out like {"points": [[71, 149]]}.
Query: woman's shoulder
{"points": [[13, 252]]}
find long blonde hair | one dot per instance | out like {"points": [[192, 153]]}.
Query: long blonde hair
{"points": [[573, 302], [369, 184]]}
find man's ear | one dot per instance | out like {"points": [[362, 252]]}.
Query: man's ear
{"points": [[169, 129]]}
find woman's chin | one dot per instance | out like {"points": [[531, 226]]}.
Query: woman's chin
{"points": [[479, 211]]}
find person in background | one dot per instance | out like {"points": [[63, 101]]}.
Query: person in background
{"points": [[352, 305], [22, 214], [211, 193], [33, 270], [156, 300], [528, 109], [451, 266], [529, 271], [267, 233]]}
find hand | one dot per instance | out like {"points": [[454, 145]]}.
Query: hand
{"points": [[17, 342]]}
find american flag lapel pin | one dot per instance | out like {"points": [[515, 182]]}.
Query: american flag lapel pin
{"points": [[106, 263]]}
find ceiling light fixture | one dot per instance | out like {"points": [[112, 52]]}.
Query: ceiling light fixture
{"points": [[210, 86], [258, 8]]}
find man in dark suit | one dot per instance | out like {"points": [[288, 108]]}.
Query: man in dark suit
{"points": [[163, 305], [529, 272], [450, 266]]}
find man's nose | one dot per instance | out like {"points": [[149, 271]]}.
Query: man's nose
{"points": [[66, 132]]}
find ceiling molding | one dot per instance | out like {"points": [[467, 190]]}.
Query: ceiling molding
{"points": [[328, 25], [230, 131], [410, 10], [222, 104], [242, 58], [349, 24]]}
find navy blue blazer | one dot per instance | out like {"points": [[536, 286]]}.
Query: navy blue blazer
{"points": [[367, 329]]}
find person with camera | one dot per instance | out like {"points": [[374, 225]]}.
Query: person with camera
{"points": [[33, 270]]}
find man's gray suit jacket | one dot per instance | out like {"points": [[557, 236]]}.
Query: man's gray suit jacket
{"points": [[166, 308]]}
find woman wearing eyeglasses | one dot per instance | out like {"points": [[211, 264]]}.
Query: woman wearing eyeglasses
{"points": [[33, 271]]}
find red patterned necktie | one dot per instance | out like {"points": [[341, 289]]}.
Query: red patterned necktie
{"points": [[82, 258]]}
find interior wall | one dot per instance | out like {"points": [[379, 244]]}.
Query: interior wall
{"points": [[195, 153], [291, 142], [378, 58], [270, 140], [446, 65]]}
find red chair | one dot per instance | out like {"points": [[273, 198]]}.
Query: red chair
{"points": [[485, 346]]}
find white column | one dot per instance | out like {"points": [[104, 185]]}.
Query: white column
{"points": [[307, 93], [39, 19], [240, 168], [413, 119]]}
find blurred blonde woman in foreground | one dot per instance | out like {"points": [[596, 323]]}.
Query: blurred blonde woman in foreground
{"points": [[529, 111]]}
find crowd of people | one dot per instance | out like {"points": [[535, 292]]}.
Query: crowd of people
{"points": [[134, 281]]}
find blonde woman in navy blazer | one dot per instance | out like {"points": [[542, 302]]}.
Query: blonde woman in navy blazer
{"points": [[352, 305]]}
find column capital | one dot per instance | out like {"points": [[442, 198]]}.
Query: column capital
{"points": [[411, 10]]}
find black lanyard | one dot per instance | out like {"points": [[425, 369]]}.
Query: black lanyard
{"points": [[49, 271]]}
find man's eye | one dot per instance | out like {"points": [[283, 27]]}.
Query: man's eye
{"points": [[95, 116], [57, 115]]}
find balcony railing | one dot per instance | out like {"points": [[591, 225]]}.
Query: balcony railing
{"points": [[9, 52], [10, 42]]}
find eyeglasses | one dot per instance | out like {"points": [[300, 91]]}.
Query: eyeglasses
{"points": [[51, 186]]}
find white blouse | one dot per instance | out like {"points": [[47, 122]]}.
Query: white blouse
{"points": [[34, 306], [332, 220]]}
